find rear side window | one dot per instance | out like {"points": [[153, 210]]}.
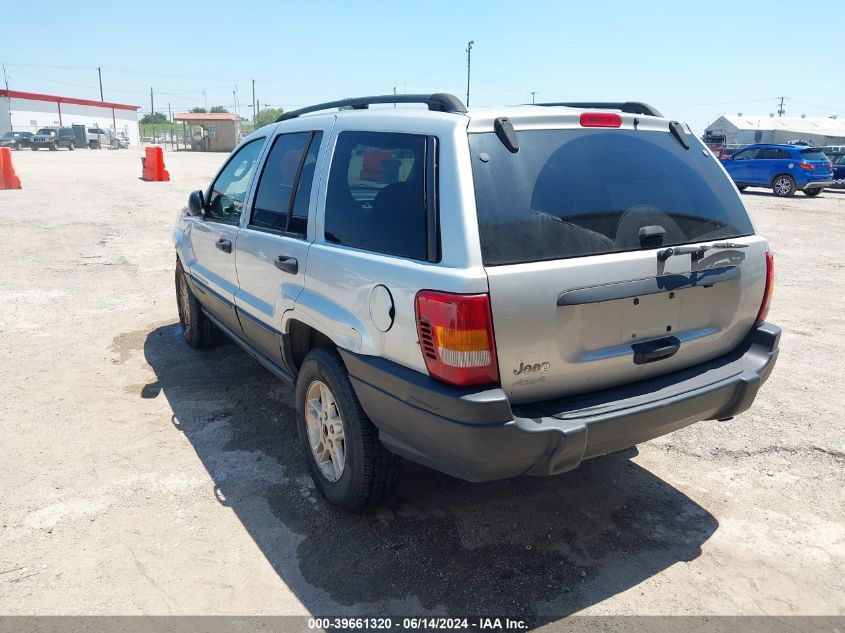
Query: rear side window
{"points": [[813, 154], [571, 193], [773, 154], [380, 193], [284, 190]]}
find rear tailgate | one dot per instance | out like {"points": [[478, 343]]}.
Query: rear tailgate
{"points": [[571, 226], [819, 165]]}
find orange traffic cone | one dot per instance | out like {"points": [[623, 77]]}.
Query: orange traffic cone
{"points": [[8, 178], [154, 165]]}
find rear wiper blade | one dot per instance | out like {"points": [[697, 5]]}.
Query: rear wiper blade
{"points": [[697, 252]]}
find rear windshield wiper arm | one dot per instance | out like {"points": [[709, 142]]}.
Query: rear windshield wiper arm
{"points": [[697, 252]]}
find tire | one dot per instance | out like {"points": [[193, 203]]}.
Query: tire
{"points": [[783, 186], [70, 146], [368, 470], [92, 145], [197, 329], [742, 187], [18, 147], [34, 149], [52, 147], [812, 193]]}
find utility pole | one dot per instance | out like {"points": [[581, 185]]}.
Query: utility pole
{"points": [[254, 108], [100, 75], [169, 113], [6, 81], [532, 93], [153, 114], [781, 111], [237, 102], [469, 65]]}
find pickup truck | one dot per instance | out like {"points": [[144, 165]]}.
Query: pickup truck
{"points": [[97, 138]]}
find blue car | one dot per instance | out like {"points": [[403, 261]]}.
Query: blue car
{"points": [[783, 168], [838, 170]]}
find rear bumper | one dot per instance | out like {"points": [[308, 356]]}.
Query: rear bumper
{"points": [[478, 436], [818, 184]]}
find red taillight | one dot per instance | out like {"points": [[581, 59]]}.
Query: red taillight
{"points": [[807, 166], [770, 287], [456, 337], [830, 166], [600, 119]]}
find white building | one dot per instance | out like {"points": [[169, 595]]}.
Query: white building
{"points": [[743, 129], [28, 111]]}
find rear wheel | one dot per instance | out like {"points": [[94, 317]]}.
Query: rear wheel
{"points": [[742, 187], [347, 461], [783, 186], [812, 192], [34, 149], [197, 329]]}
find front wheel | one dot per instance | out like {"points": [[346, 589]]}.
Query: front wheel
{"points": [[348, 463], [34, 148], [784, 186], [812, 192], [52, 147], [197, 329]]}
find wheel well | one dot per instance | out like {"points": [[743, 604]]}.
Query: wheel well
{"points": [[778, 176], [302, 339]]}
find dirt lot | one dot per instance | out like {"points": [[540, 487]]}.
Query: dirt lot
{"points": [[140, 476]]}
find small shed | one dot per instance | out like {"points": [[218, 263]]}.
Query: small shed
{"points": [[210, 131]]}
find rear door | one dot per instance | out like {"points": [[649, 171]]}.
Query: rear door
{"points": [[571, 226], [769, 162], [213, 236], [273, 247]]}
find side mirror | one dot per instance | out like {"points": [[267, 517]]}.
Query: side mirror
{"points": [[196, 203]]}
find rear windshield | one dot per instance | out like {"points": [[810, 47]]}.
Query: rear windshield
{"points": [[571, 193], [813, 154]]}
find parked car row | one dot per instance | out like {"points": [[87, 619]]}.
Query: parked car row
{"points": [[54, 138]]}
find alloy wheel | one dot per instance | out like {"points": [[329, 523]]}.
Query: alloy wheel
{"points": [[325, 430], [782, 186]]}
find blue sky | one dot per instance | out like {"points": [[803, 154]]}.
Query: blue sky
{"points": [[693, 60]]}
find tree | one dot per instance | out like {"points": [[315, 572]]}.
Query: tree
{"points": [[199, 110], [265, 117], [157, 118], [218, 109]]}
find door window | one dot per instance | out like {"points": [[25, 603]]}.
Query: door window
{"points": [[284, 190], [746, 154], [380, 195], [229, 189]]}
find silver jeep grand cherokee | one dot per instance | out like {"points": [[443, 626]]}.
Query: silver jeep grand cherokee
{"points": [[488, 293]]}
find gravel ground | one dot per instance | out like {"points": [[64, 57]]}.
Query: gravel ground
{"points": [[140, 476]]}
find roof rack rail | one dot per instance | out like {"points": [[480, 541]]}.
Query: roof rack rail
{"points": [[633, 107], [439, 102]]}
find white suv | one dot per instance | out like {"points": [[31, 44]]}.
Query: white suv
{"points": [[489, 293]]}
